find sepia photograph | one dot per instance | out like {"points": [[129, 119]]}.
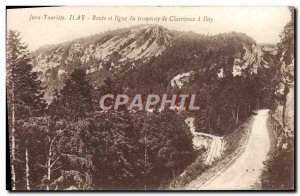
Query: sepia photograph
{"points": [[150, 98]]}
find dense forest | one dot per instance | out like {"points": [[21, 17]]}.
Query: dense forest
{"points": [[69, 143], [225, 100]]}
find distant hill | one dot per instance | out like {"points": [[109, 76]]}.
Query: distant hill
{"points": [[146, 58]]}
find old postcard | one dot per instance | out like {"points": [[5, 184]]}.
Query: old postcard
{"points": [[150, 98]]}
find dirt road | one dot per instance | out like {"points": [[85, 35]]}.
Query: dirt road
{"points": [[244, 173], [213, 143]]}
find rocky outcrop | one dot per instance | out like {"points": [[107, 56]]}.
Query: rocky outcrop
{"points": [[110, 51], [252, 59], [181, 79]]}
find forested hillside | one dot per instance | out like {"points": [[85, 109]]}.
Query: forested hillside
{"points": [[61, 139], [229, 72]]}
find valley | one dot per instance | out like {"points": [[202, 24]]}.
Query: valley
{"points": [[90, 121]]}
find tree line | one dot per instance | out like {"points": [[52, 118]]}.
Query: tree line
{"points": [[224, 101], [71, 144]]}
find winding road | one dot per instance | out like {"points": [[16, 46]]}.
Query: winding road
{"points": [[244, 172], [214, 147]]}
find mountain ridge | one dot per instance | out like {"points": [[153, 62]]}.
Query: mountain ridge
{"points": [[123, 51]]}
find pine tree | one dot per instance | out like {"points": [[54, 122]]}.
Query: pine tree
{"points": [[24, 93], [75, 99]]}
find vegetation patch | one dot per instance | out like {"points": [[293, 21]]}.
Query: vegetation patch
{"points": [[278, 173]]}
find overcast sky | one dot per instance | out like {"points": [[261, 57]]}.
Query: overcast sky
{"points": [[264, 24]]}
